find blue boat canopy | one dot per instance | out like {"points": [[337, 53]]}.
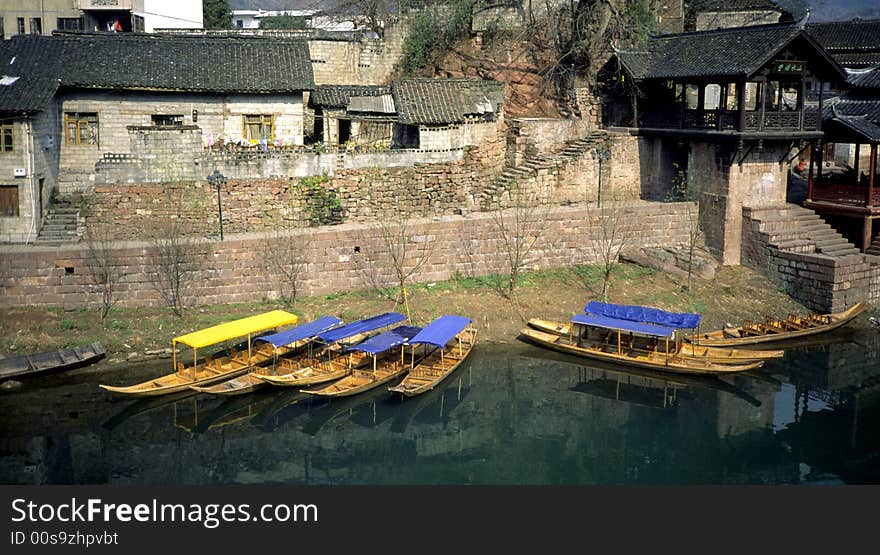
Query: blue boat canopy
{"points": [[299, 333], [361, 326], [623, 325], [441, 330], [388, 340], [646, 314]]}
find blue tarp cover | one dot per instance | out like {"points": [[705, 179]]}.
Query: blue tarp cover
{"points": [[388, 340], [441, 330], [299, 333], [635, 313], [361, 326], [623, 325]]}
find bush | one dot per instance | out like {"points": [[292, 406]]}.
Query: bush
{"points": [[433, 31]]}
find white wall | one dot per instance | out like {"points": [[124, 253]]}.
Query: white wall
{"points": [[169, 14]]}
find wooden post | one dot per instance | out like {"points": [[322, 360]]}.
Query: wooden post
{"points": [[195, 358], [667, 352], [762, 86], [866, 232], [821, 104], [873, 170], [810, 174], [249, 349], [856, 165], [701, 101], [618, 341], [174, 355], [741, 105]]}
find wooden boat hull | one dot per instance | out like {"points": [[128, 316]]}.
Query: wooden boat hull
{"points": [[732, 336], [51, 361], [306, 376], [654, 361], [426, 375], [718, 355], [173, 383], [358, 383], [240, 385]]}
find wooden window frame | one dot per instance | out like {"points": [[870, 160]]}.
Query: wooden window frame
{"points": [[162, 120], [19, 22], [264, 119], [15, 212], [81, 122], [36, 25], [4, 147]]}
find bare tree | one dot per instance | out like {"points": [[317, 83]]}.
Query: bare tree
{"points": [[611, 234], [683, 190], [396, 245], [286, 258], [172, 257], [102, 262], [519, 221]]}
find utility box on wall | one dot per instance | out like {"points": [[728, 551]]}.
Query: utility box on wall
{"points": [[19, 172]]}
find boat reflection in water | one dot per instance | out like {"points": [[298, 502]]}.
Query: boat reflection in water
{"points": [[514, 414]]}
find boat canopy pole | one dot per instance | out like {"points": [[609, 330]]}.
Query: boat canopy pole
{"points": [[667, 352], [402, 357], [195, 359], [174, 354], [618, 342], [249, 349]]}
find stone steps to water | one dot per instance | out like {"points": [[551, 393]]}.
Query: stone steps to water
{"points": [[60, 224], [874, 248], [797, 229]]}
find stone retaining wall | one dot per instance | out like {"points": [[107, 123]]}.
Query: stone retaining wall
{"points": [[340, 258], [822, 283]]}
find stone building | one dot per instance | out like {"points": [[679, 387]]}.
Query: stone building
{"points": [[442, 114], [728, 107], [87, 94], [414, 113]]}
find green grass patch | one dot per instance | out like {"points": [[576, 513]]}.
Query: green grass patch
{"points": [[118, 325], [68, 324]]}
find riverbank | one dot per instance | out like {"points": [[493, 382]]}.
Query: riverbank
{"points": [[131, 334]]}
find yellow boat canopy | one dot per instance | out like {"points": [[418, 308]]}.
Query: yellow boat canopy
{"points": [[236, 328]]}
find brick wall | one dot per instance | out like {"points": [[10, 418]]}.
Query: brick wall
{"points": [[820, 282], [365, 61], [234, 270]]}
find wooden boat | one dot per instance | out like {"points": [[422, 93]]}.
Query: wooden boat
{"points": [[51, 361], [589, 337], [387, 365], [719, 355], [792, 327], [211, 370], [332, 360], [294, 341], [452, 339]]}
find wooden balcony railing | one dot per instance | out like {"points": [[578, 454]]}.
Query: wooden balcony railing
{"points": [[725, 120]]}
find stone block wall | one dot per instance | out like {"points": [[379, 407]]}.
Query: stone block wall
{"points": [[235, 271], [822, 283], [365, 61], [364, 185], [759, 180]]}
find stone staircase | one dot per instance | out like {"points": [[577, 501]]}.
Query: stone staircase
{"points": [[60, 224], [792, 228], [874, 248], [533, 164]]}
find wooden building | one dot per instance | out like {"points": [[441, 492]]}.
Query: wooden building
{"points": [[729, 108]]}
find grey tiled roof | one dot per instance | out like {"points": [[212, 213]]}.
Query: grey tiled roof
{"points": [[23, 89], [852, 43], [734, 52], [164, 62], [866, 79], [443, 101], [857, 111], [337, 96]]}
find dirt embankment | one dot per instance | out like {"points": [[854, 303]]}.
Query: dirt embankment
{"points": [[734, 295]]}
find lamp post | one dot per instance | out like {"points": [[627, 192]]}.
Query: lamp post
{"points": [[601, 155], [217, 179]]}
